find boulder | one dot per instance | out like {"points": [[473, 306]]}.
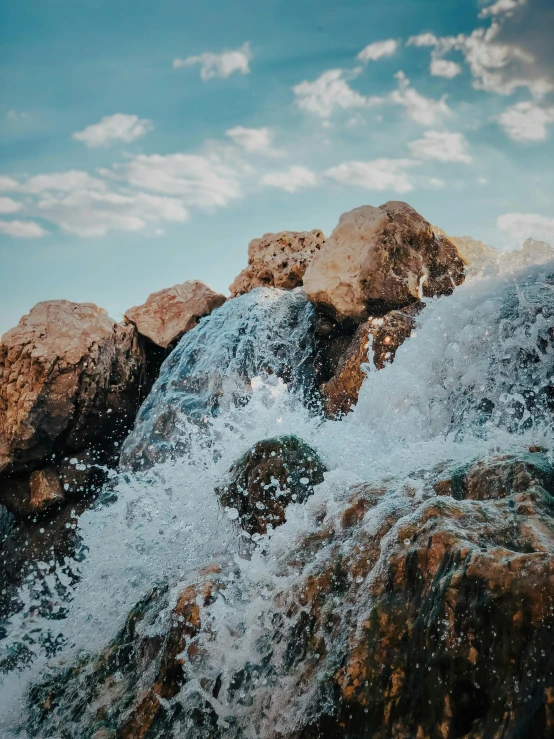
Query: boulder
{"points": [[278, 260], [377, 337], [70, 380], [381, 259], [274, 473], [170, 313]]}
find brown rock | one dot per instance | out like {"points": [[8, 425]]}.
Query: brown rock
{"points": [[170, 313], [69, 379], [272, 474], [380, 259], [46, 489], [278, 260], [379, 336]]}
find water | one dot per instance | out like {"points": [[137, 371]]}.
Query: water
{"points": [[477, 377]]}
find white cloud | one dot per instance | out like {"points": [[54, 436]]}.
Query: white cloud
{"points": [[441, 145], [219, 65], [90, 213], [291, 179], [112, 128], [198, 180], [378, 50], [501, 6], [436, 182], [17, 115], [62, 182], [22, 229], [380, 174], [499, 61], [330, 92], [444, 68], [423, 110], [8, 184], [253, 140], [423, 39], [7, 205], [521, 226], [526, 121]]}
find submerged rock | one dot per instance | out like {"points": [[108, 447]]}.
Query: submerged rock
{"points": [[278, 260], [274, 473], [169, 314], [381, 259], [70, 380]]}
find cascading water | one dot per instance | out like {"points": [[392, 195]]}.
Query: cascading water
{"points": [[265, 333], [478, 376]]}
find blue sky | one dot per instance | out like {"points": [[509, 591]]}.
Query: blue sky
{"points": [[145, 143]]}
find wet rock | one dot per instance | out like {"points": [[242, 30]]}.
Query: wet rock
{"points": [[381, 259], [274, 473], [127, 690], [402, 616], [376, 340], [169, 314], [70, 380], [445, 637], [278, 260], [45, 489]]}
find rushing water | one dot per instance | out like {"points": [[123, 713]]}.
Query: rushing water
{"points": [[476, 376]]}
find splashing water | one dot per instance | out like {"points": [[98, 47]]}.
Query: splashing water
{"points": [[478, 375]]}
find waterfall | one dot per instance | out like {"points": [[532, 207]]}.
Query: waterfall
{"points": [[476, 376]]}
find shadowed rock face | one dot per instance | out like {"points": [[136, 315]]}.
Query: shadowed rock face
{"points": [[430, 615], [70, 380], [278, 260], [274, 473], [377, 340], [169, 314], [381, 259]]}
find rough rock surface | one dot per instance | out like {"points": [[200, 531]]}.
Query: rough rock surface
{"points": [[170, 313], [130, 685], [274, 473], [278, 260], [379, 336], [70, 379], [422, 615], [45, 488], [381, 259]]}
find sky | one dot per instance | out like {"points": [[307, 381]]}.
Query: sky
{"points": [[144, 143]]}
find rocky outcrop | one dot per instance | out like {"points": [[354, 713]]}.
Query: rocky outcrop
{"points": [[136, 677], [169, 314], [70, 380], [381, 259], [274, 473], [278, 260], [450, 641], [427, 615], [376, 340]]}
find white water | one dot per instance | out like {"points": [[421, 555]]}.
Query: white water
{"points": [[472, 380]]}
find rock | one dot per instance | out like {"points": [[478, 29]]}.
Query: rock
{"points": [[278, 260], [401, 615], [46, 489], [381, 259], [136, 677], [381, 337], [170, 313], [70, 380], [274, 473]]}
